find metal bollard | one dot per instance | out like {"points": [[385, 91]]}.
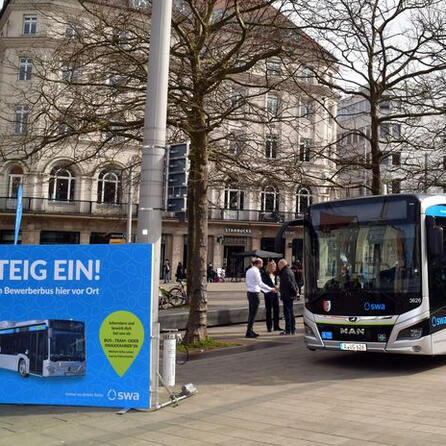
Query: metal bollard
{"points": [[169, 357]]}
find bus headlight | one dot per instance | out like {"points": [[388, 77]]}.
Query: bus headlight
{"points": [[415, 331]]}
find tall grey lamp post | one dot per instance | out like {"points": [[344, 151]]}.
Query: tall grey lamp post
{"points": [[151, 187]]}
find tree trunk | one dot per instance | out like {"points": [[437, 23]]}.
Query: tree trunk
{"points": [[375, 150], [197, 214]]}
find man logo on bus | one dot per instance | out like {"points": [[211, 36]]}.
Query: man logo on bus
{"points": [[326, 305]]}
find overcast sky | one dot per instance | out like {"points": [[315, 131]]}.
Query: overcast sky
{"points": [[1, 3]]}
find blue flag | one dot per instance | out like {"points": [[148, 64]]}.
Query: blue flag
{"points": [[18, 215]]}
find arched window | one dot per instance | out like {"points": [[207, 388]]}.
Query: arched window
{"points": [[109, 187], [303, 200], [15, 177], [234, 198], [62, 183], [269, 199]]}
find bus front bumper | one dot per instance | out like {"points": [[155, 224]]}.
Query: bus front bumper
{"points": [[422, 346]]}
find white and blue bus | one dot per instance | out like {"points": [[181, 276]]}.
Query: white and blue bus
{"points": [[375, 274], [43, 347]]}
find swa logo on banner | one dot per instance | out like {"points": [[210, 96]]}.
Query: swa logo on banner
{"points": [[113, 395]]}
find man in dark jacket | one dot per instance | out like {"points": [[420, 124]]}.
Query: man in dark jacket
{"points": [[288, 292]]}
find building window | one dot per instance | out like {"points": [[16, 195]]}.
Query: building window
{"points": [[139, 4], [303, 200], [305, 150], [15, 177], [271, 146], [234, 199], [396, 186], [306, 109], [62, 184], [29, 24], [238, 100], [308, 75], [269, 199], [396, 130], [384, 107], [7, 237], [384, 130], [237, 141], [59, 238], [21, 119], [396, 159], [70, 72], [109, 185], [273, 68], [272, 105], [25, 69]]}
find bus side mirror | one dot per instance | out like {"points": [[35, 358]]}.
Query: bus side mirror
{"points": [[434, 237]]}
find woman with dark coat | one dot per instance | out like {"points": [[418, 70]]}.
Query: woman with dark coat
{"points": [[180, 272], [271, 299]]}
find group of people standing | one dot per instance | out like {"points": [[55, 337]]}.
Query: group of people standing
{"points": [[179, 275], [271, 284]]}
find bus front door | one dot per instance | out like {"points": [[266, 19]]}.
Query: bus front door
{"points": [[36, 353]]}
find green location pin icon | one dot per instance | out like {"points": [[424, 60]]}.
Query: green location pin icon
{"points": [[122, 336]]}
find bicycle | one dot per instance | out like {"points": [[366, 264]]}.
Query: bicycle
{"points": [[174, 297], [179, 295]]}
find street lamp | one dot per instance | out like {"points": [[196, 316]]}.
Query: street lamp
{"points": [[152, 166]]}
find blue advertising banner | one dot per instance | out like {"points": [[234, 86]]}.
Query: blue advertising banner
{"points": [[75, 325], [18, 214]]}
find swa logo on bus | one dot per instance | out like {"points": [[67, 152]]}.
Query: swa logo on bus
{"points": [[113, 395], [374, 307]]}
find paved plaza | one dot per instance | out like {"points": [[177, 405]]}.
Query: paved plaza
{"points": [[271, 391]]}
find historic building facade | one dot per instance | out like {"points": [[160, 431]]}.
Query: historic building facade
{"points": [[91, 201]]}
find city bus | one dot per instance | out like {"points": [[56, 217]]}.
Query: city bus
{"points": [[43, 347], [375, 274]]}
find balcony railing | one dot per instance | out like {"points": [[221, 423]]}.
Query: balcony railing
{"points": [[119, 210], [33, 205], [252, 215]]}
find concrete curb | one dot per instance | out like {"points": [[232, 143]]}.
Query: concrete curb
{"points": [[218, 316]]}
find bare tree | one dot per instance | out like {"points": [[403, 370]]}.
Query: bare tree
{"points": [[391, 56], [226, 56]]}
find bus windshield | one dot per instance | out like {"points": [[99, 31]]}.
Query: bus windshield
{"points": [[67, 346], [364, 261]]}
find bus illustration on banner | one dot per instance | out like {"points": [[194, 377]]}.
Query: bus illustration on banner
{"points": [[45, 348]]}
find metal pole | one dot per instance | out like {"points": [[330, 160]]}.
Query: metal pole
{"points": [[151, 190], [130, 207]]}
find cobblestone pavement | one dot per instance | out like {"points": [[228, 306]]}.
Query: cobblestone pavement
{"points": [[270, 392]]}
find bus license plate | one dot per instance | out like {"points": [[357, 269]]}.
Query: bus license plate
{"points": [[353, 347]]}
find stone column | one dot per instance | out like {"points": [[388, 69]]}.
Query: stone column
{"points": [[177, 252], [84, 237]]}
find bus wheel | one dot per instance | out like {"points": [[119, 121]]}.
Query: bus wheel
{"points": [[22, 369]]}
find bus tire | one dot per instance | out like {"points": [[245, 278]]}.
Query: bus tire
{"points": [[311, 349], [22, 369]]}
